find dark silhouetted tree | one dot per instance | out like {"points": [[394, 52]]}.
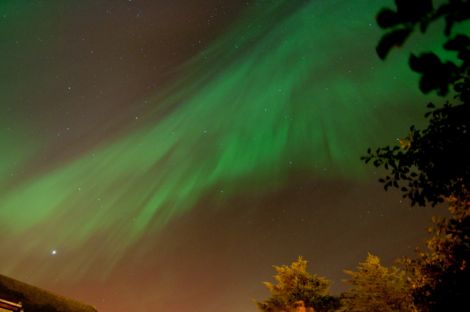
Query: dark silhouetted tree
{"points": [[432, 164]]}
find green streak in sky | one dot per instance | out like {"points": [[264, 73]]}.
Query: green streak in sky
{"points": [[278, 94]]}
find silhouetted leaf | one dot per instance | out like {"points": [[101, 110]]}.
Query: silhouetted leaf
{"points": [[464, 55], [449, 24], [413, 11], [387, 18], [392, 39], [457, 43], [424, 62]]}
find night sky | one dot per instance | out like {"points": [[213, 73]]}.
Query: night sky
{"points": [[163, 155]]}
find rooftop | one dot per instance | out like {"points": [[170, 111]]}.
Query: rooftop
{"points": [[36, 299]]}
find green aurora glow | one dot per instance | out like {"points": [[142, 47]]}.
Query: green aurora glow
{"points": [[285, 90]]}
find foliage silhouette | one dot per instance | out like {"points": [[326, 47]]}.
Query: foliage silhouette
{"points": [[433, 164]]}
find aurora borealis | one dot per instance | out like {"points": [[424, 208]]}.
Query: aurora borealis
{"points": [[162, 156]]}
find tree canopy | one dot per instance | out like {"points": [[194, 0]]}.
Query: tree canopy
{"points": [[441, 272], [294, 287], [432, 164], [376, 288]]}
